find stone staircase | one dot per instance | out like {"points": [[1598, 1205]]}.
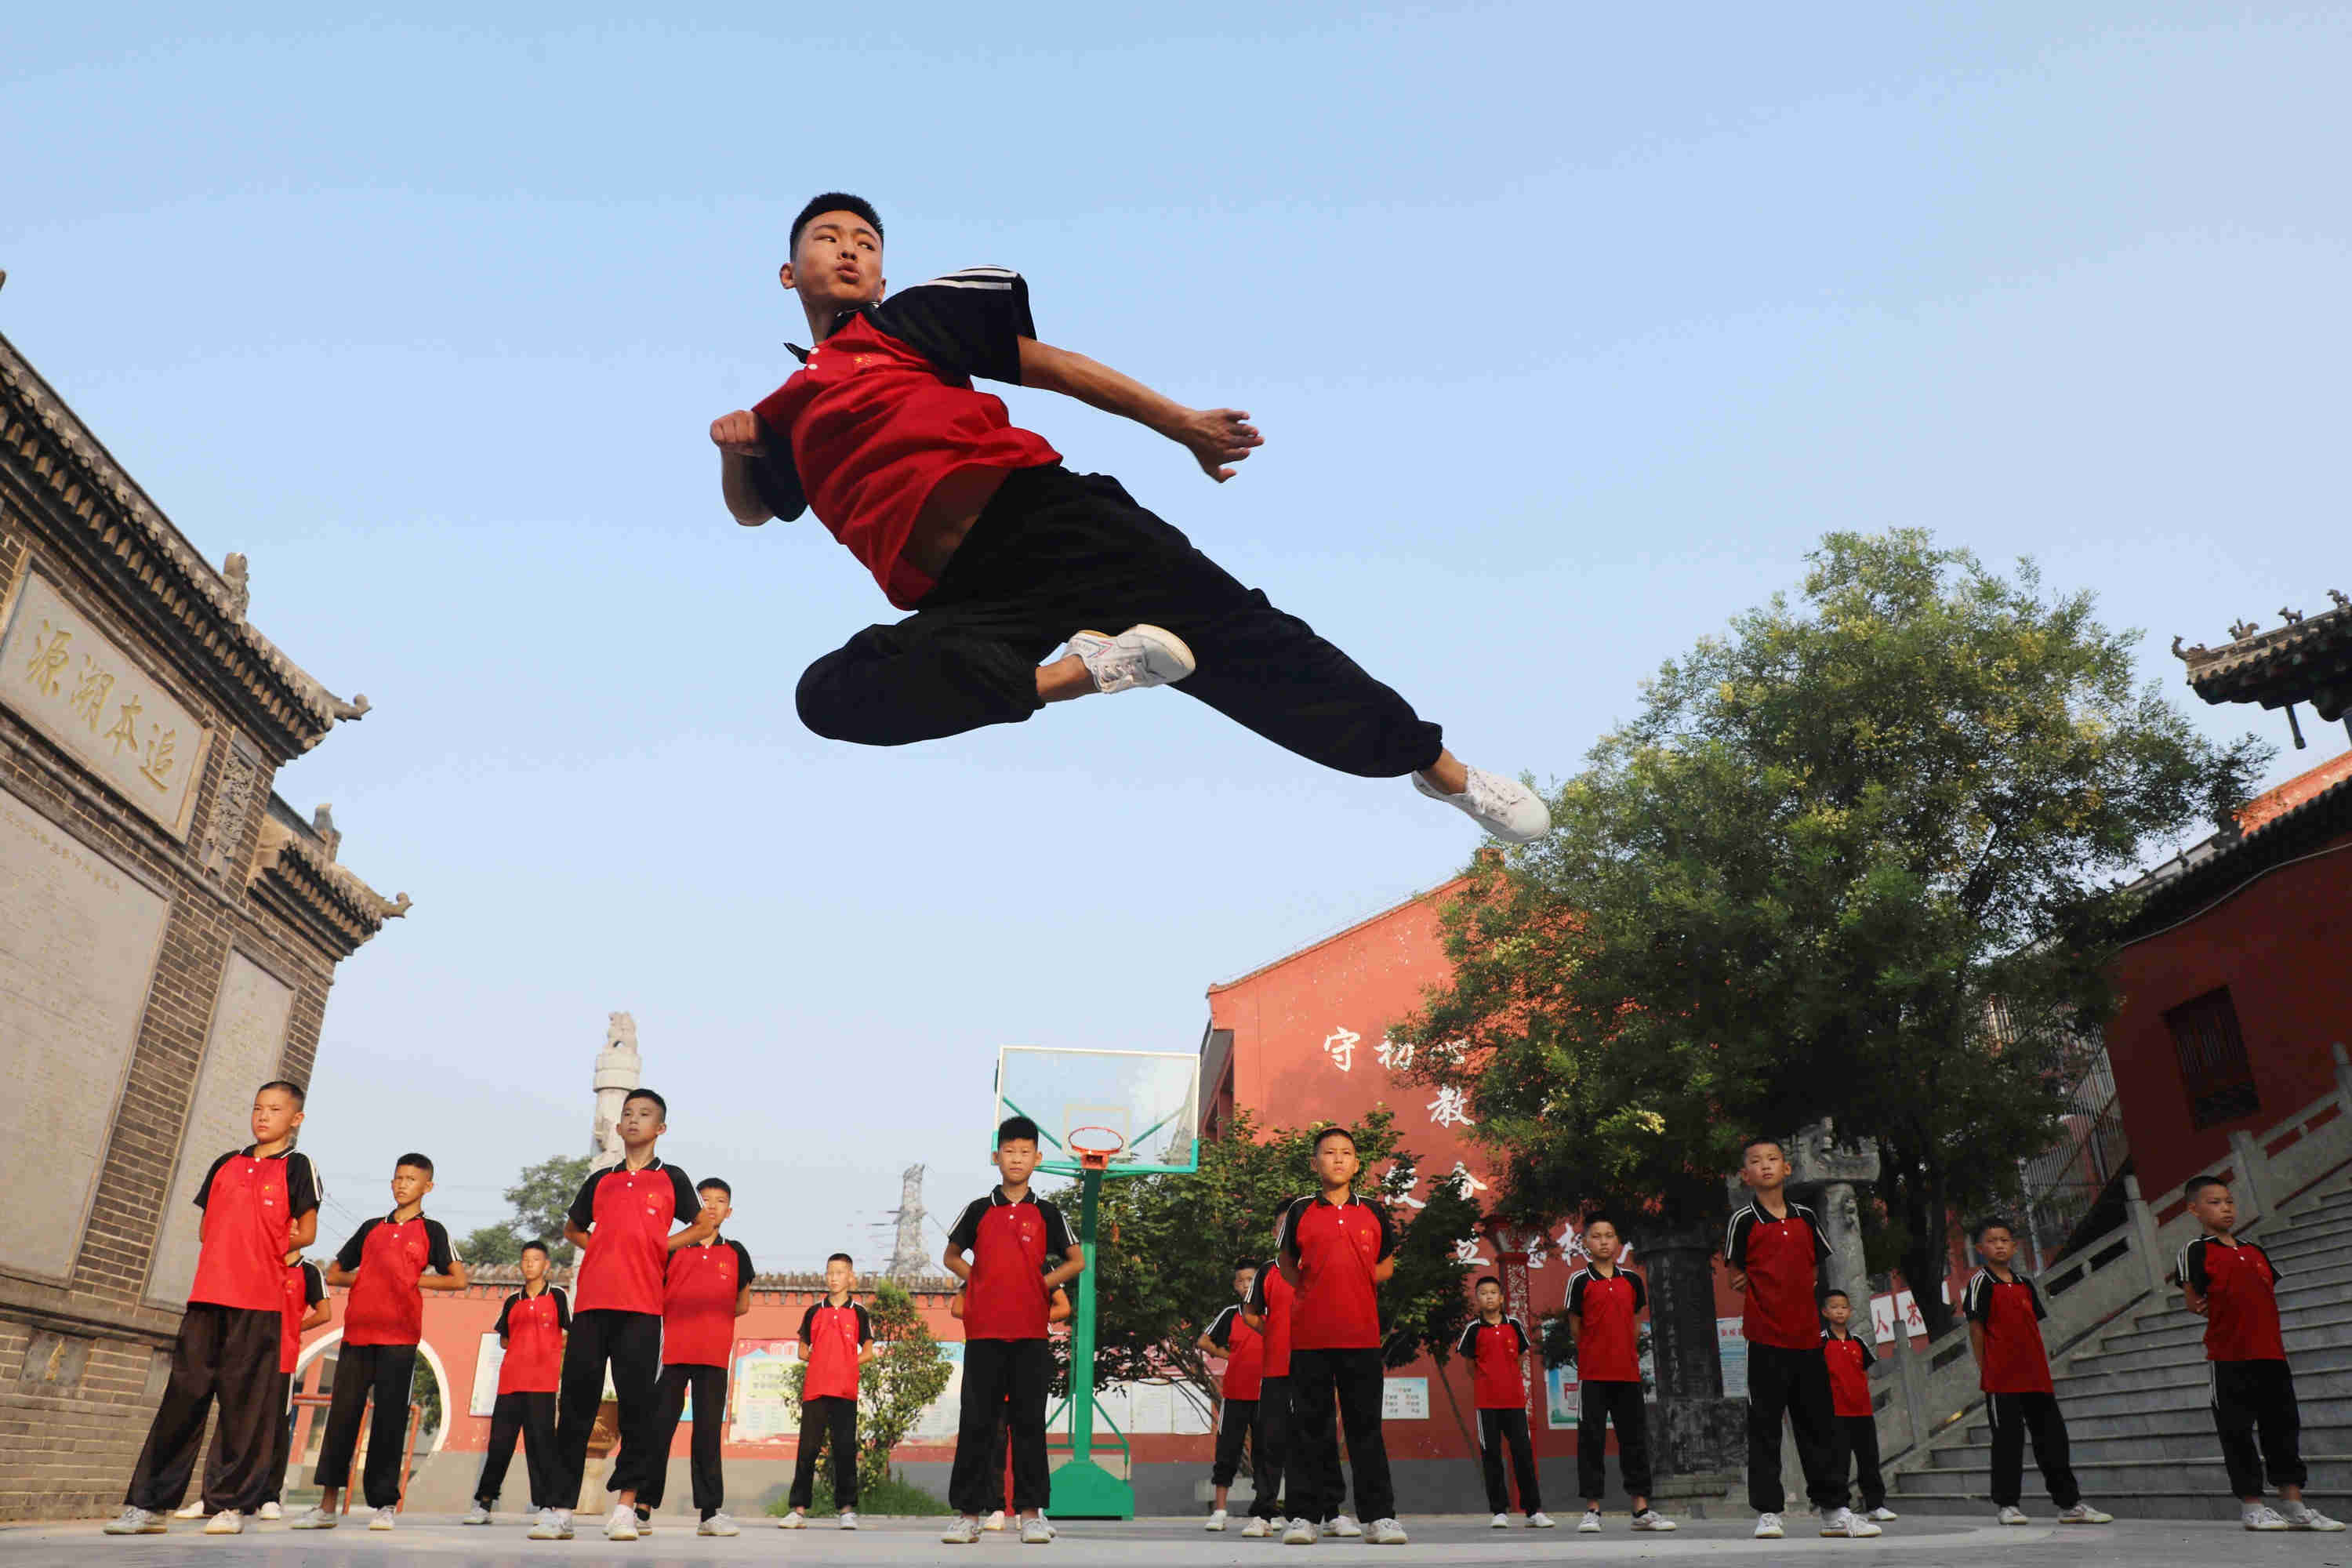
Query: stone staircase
{"points": [[2135, 1396]]}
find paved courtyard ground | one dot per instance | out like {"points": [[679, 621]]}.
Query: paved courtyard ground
{"points": [[1182, 1543]]}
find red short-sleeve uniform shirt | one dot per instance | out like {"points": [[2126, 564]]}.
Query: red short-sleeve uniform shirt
{"points": [[2015, 1361], [1336, 1247], [1849, 1362], [533, 1324], [1244, 1350], [699, 1303], [629, 1216], [1608, 1341], [834, 1336], [250, 1205], [2240, 1284], [385, 1307], [1498, 1356], [1782, 1258], [1012, 1242], [1271, 1300]]}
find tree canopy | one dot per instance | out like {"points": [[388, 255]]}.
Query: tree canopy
{"points": [[542, 1197]]}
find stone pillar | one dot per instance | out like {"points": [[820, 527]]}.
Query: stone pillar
{"points": [[2142, 1219], [1699, 1438], [2253, 1173], [618, 1066], [1823, 1175], [2343, 1076]]}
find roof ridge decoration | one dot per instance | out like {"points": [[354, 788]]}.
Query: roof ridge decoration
{"points": [[305, 866], [92, 487]]}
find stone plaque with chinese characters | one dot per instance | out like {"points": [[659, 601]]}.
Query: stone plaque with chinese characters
{"points": [[241, 1054], [70, 681], [77, 943]]}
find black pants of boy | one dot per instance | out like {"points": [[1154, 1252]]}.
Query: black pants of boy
{"points": [[269, 1479], [1269, 1446], [2251, 1396], [224, 1353], [1860, 1435], [830, 1419], [1795, 1383], [1056, 552], [630, 1342], [531, 1418], [1497, 1430], [1354, 1377], [384, 1374], [2013, 1418], [1237, 1422], [1600, 1402], [709, 1385], [1003, 1380]]}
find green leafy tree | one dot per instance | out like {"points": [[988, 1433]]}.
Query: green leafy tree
{"points": [[491, 1243], [908, 1373], [1852, 859], [542, 1197]]}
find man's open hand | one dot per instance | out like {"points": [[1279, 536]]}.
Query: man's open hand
{"points": [[737, 433], [1215, 438]]}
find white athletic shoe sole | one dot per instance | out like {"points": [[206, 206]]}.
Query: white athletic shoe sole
{"points": [[1139, 657], [1507, 809]]}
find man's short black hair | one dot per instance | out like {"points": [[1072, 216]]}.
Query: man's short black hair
{"points": [[1242, 1263], [1839, 1294], [416, 1161], [535, 1245], [835, 201], [1494, 1279], [1778, 1147], [1991, 1222], [707, 1182], [659, 1103], [1012, 1129], [1329, 1132], [2196, 1184], [843, 1258], [288, 1085], [1600, 1216]]}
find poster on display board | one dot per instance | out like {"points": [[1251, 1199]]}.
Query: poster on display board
{"points": [[1404, 1399], [763, 1406], [1731, 1346], [1883, 1310], [1562, 1401], [484, 1399]]}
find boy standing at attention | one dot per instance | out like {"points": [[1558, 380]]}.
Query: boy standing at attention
{"points": [[2004, 1313], [388, 1264], [622, 1222], [1849, 1361], [261, 1209], [837, 1337], [1004, 555], [1496, 1346], [1775, 1251], [531, 1328], [707, 1288], [1604, 1304], [2233, 1286], [1238, 1418], [1337, 1249], [1000, 1248]]}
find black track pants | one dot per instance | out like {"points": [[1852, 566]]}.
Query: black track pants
{"points": [[708, 1384], [631, 1342], [2251, 1396], [1354, 1377], [1600, 1402], [1794, 1383], [531, 1418], [229, 1353], [829, 1420], [1499, 1429], [1006, 1380], [383, 1375]]}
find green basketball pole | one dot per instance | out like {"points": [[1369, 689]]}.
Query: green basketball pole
{"points": [[1083, 1489]]}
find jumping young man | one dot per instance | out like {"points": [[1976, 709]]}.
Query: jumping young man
{"points": [[1003, 555]]}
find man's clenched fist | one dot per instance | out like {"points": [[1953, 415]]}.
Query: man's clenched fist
{"points": [[738, 432]]}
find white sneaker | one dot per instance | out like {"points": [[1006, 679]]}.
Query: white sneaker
{"points": [[1768, 1527], [2012, 1514], [1591, 1523], [793, 1522], [1346, 1527], [1035, 1532], [2256, 1516], [645, 1520], [1051, 1527], [2302, 1516], [1842, 1521], [621, 1524], [1302, 1532], [481, 1515], [1256, 1530], [383, 1518], [1883, 1514], [962, 1532], [1651, 1518], [1138, 657], [2084, 1514], [554, 1524], [227, 1521], [719, 1524], [1386, 1532], [194, 1510], [1501, 1522], [1216, 1525], [995, 1520], [1540, 1520], [1505, 808], [314, 1518], [138, 1521], [848, 1520]]}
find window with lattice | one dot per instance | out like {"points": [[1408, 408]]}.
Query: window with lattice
{"points": [[2218, 1079]]}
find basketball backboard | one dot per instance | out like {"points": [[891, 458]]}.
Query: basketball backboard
{"points": [[1149, 1099]]}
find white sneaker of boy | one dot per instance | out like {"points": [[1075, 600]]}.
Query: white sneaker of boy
{"points": [[1138, 657], [1505, 808]]}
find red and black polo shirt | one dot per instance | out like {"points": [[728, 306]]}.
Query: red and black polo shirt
{"points": [[699, 1303], [883, 409], [2240, 1284], [531, 1325], [629, 1216], [1608, 1344], [1850, 1363], [1335, 1246], [1781, 1258], [2011, 1311], [305, 1289], [1012, 1244], [1270, 1301], [834, 1336], [1244, 1350], [386, 1308], [250, 1205], [1496, 1353]]}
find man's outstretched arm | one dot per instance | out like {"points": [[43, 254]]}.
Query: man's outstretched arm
{"points": [[1216, 438], [736, 437]]}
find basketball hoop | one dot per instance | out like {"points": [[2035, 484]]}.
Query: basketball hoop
{"points": [[1095, 1147]]}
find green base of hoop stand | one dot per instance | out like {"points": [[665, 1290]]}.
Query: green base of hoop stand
{"points": [[1083, 1489]]}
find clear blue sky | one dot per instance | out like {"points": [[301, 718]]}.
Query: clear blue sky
{"points": [[1571, 330]]}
